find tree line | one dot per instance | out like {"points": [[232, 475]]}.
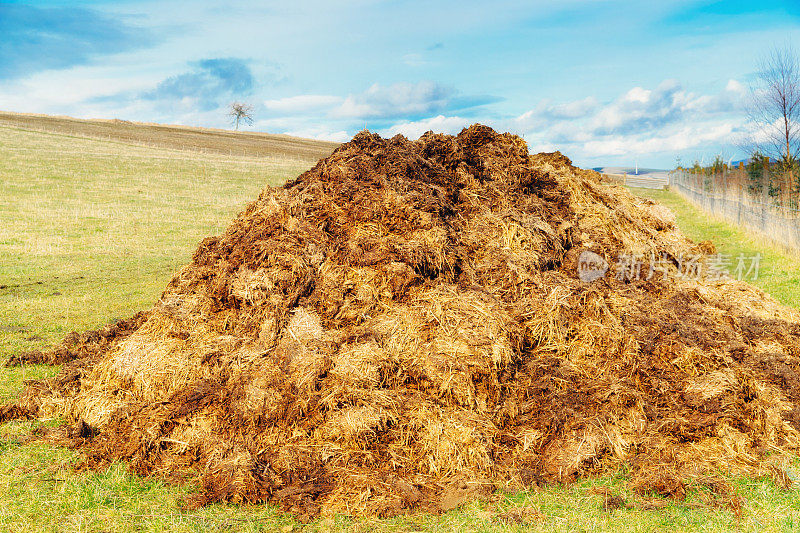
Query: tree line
{"points": [[772, 141]]}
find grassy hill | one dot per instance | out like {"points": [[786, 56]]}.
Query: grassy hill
{"points": [[251, 144], [94, 217]]}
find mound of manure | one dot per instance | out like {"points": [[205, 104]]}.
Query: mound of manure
{"points": [[404, 327]]}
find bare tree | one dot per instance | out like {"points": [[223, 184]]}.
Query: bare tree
{"points": [[240, 112], [774, 109]]}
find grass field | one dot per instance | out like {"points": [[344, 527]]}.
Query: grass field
{"points": [[779, 273], [247, 144], [91, 229]]}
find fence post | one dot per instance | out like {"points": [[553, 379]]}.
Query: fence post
{"points": [[766, 185], [725, 179]]}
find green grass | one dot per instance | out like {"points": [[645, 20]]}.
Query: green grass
{"points": [[92, 230], [779, 274], [41, 490]]}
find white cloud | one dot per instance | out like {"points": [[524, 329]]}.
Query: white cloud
{"points": [[437, 124], [546, 112], [321, 134], [735, 87], [395, 100], [330, 117], [44, 92], [662, 120], [302, 103], [576, 109], [640, 110], [679, 140]]}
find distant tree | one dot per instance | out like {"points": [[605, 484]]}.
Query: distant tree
{"points": [[758, 172], [717, 171], [774, 110], [718, 164], [240, 112]]}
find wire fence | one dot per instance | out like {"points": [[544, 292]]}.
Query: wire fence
{"points": [[758, 203]]}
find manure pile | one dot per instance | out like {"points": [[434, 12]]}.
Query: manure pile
{"points": [[403, 327]]}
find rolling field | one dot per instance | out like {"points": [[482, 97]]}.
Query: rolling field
{"points": [[91, 230], [85, 219], [214, 141]]}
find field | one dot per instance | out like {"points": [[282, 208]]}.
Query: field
{"points": [[81, 216], [779, 273], [91, 230], [205, 140]]}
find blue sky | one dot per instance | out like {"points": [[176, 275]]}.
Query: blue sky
{"points": [[605, 82]]}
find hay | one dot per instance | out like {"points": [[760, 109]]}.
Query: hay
{"points": [[403, 327]]}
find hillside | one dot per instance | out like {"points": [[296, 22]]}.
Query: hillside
{"points": [[175, 137], [91, 228]]}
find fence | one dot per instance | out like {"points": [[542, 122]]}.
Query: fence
{"points": [[736, 198], [645, 181]]}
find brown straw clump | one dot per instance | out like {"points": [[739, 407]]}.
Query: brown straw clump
{"points": [[403, 327]]}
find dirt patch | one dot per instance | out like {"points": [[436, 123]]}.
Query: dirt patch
{"points": [[403, 327], [79, 345]]}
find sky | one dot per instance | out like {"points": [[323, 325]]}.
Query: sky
{"points": [[607, 83]]}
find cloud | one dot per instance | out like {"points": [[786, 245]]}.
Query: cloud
{"points": [[636, 111], [661, 120], [679, 140], [409, 101], [547, 112], [321, 134], [666, 119], [572, 110], [398, 100], [33, 39], [196, 96], [640, 110], [437, 124], [407, 108], [381, 105], [206, 84], [302, 103]]}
